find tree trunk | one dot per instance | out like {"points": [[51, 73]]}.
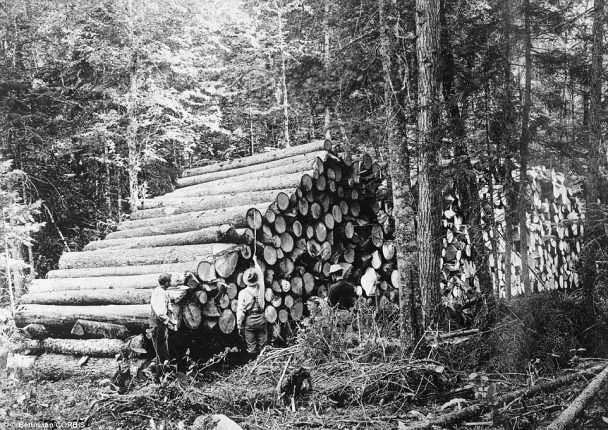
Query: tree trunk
{"points": [[133, 152], [326, 68], [283, 55], [61, 319], [429, 140], [597, 155], [403, 212], [523, 152], [141, 256], [508, 122]]}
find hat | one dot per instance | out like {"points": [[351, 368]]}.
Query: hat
{"points": [[164, 279], [334, 268], [250, 277]]}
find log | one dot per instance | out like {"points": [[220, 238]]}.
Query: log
{"points": [[110, 282], [287, 242], [270, 313], [283, 201], [142, 256], [567, 418], [449, 419], [99, 330], [309, 282], [61, 319], [88, 347], [297, 310], [216, 234], [266, 170], [89, 297], [270, 255], [280, 225], [227, 321], [191, 313], [265, 157], [236, 217], [254, 218], [206, 271], [246, 184], [123, 271], [57, 367], [164, 206], [226, 263]]}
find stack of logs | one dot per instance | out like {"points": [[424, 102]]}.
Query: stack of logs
{"points": [[555, 228], [298, 210]]}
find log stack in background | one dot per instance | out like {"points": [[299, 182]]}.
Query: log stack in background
{"points": [[555, 227]]}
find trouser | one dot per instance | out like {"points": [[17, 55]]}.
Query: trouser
{"points": [[256, 333], [160, 340]]}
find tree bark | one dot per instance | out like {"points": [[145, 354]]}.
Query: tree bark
{"points": [[509, 186], [283, 56], [429, 140], [326, 68], [141, 256], [133, 151], [597, 151], [403, 212]]}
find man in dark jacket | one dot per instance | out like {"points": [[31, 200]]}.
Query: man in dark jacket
{"points": [[341, 294]]}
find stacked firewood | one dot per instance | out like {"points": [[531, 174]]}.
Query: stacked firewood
{"points": [[555, 228]]}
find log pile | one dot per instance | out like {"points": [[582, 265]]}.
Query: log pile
{"points": [[555, 228], [298, 211]]}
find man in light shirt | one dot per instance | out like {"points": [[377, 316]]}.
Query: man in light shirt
{"points": [[250, 319], [161, 319]]}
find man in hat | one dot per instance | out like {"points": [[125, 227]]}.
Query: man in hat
{"points": [[341, 294], [250, 319], [161, 319]]}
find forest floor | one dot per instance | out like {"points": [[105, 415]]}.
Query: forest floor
{"points": [[358, 380]]}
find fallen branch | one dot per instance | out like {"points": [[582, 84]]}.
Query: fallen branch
{"points": [[476, 410], [566, 418]]}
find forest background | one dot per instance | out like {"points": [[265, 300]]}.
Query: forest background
{"points": [[103, 103]]}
